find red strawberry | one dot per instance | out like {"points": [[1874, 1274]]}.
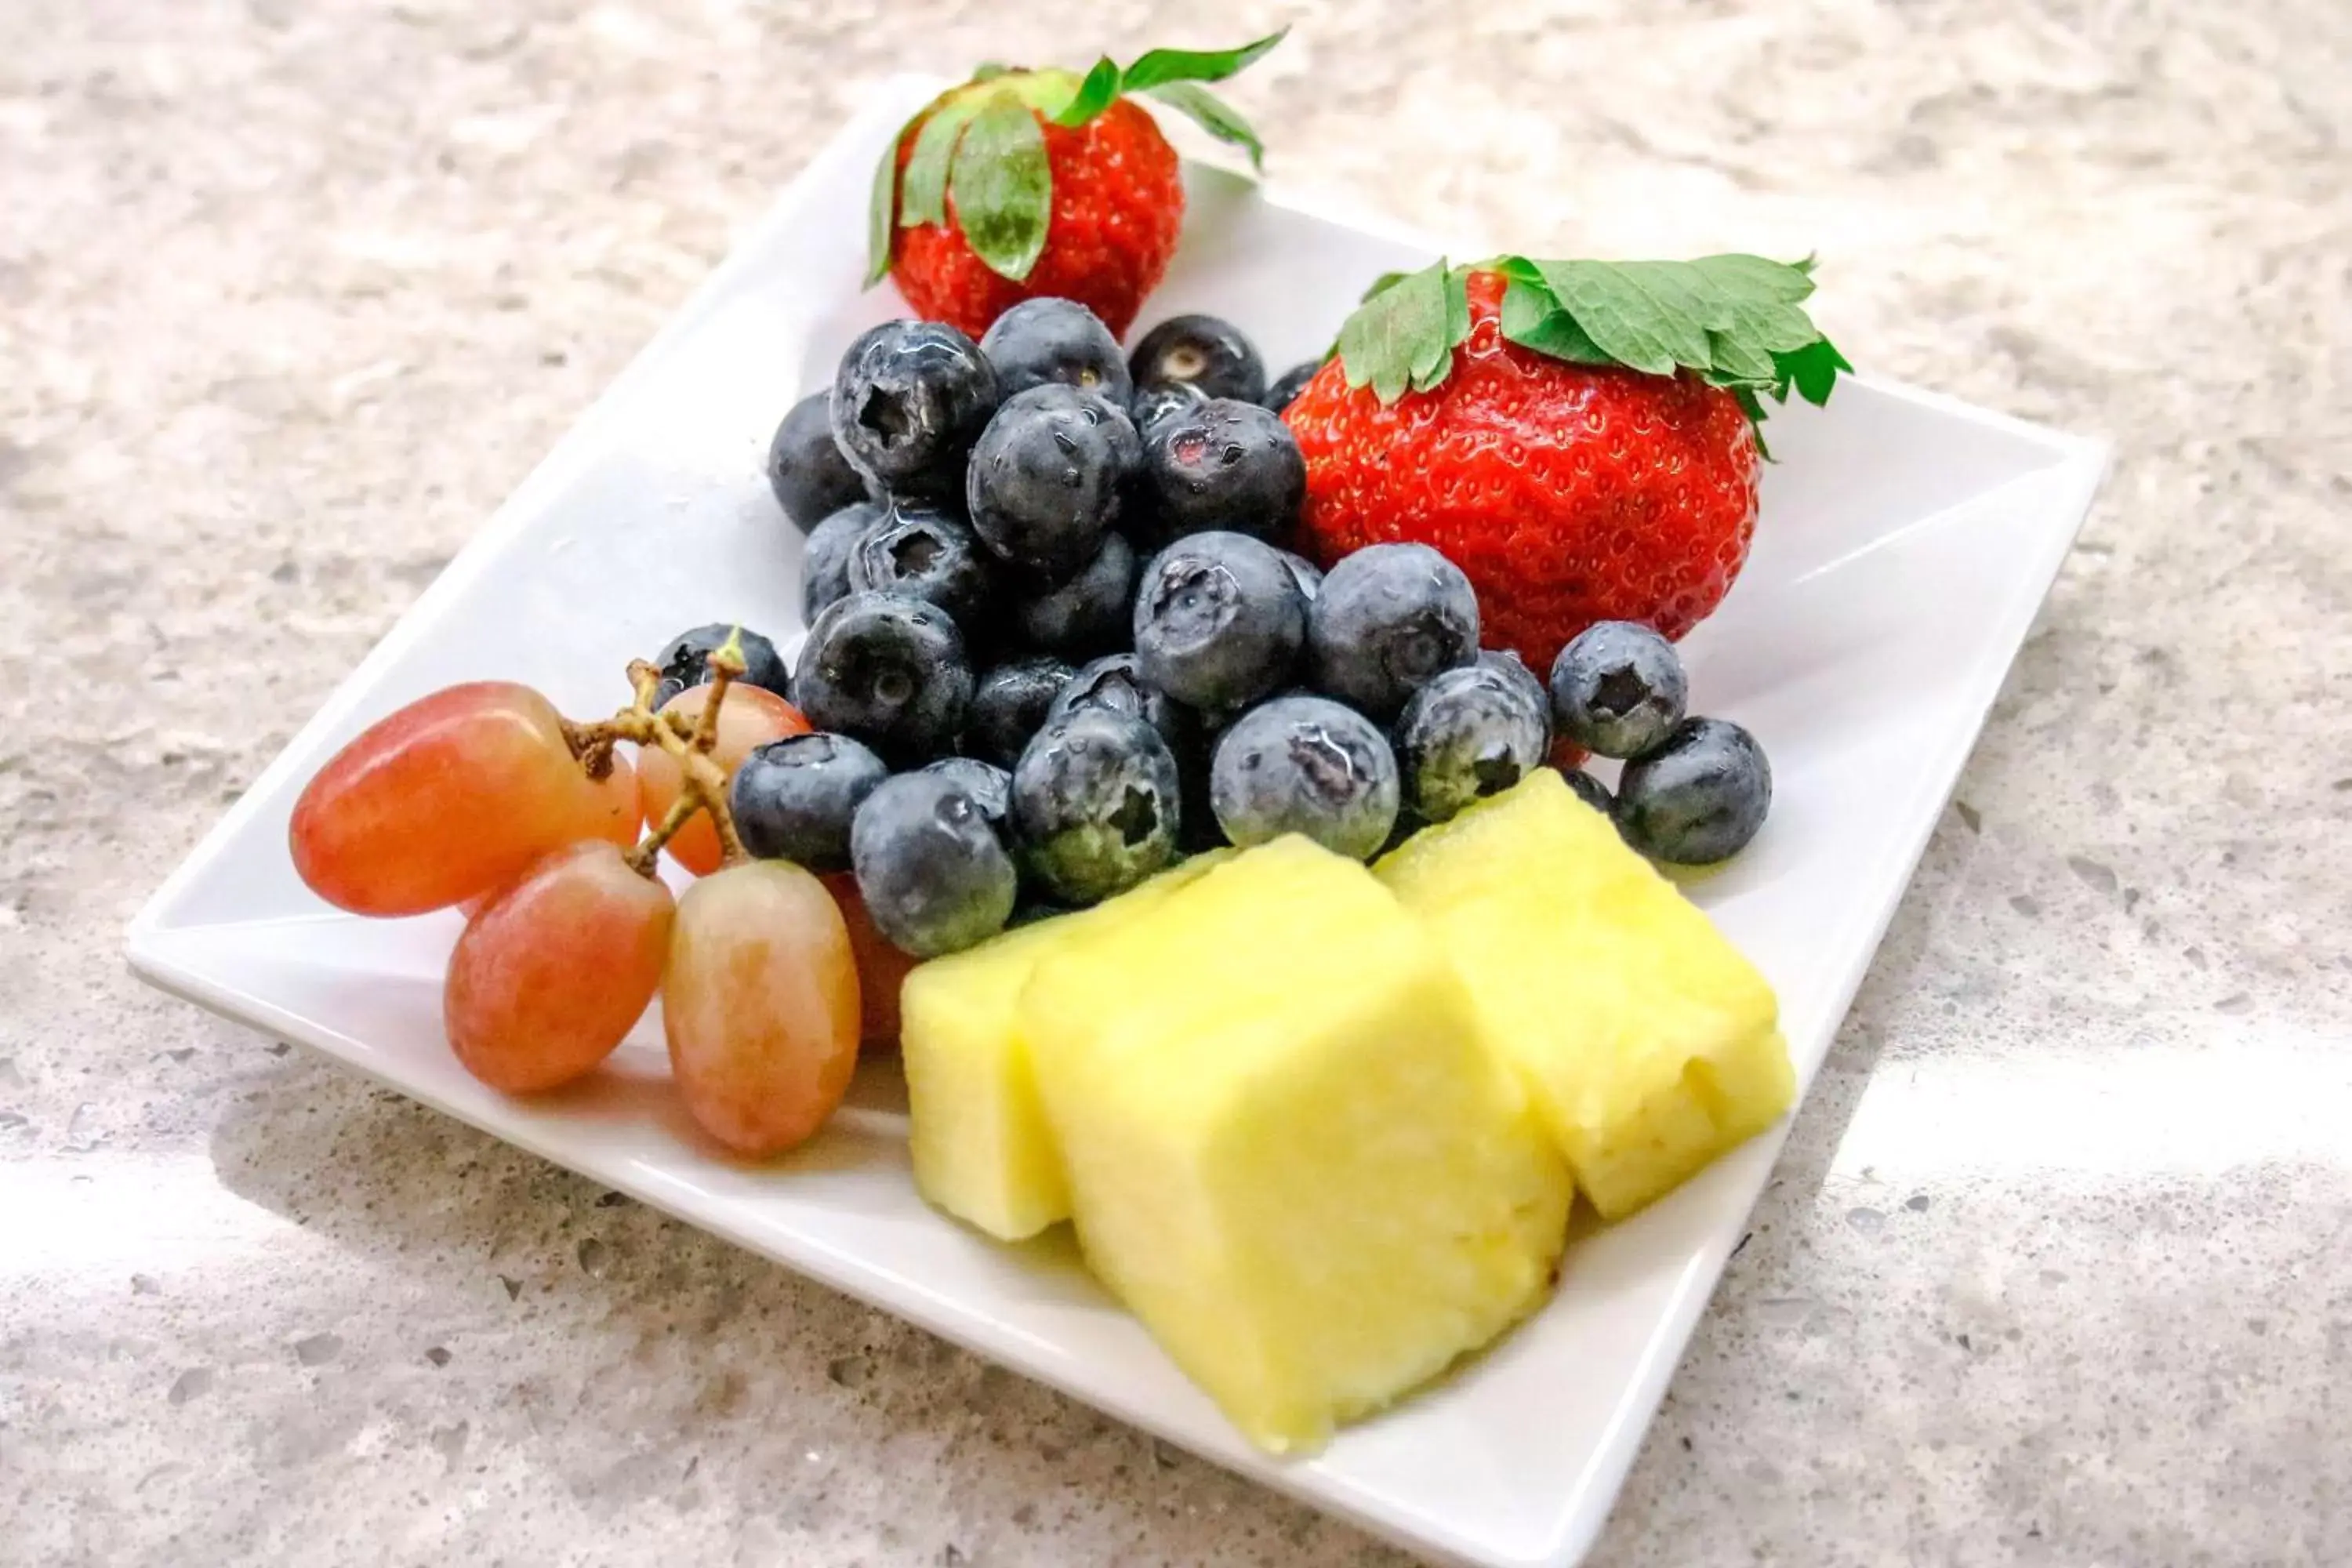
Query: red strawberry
{"points": [[1117, 206], [1019, 185], [1570, 488]]}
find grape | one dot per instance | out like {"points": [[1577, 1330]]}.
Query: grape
{"points": [[616, 793], [552, 972], [451, 798], [749, 717], [617, 823], [761, 1003], [881, 967]]}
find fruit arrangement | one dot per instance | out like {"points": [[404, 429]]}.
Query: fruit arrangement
{"points": [[1185, 766]]}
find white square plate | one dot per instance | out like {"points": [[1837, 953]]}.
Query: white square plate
{"points": [[1906, 543]]}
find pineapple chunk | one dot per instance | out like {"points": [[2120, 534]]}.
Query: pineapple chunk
{"points": [[1289, 1153], [982, 1151], [1652, 1044]]}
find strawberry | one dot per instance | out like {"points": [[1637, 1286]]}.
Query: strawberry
{"points": [[1579, 438], [1023, 183]]}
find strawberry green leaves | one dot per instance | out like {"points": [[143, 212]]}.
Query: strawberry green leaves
{"points": [[1106, 82], [1195, 65], [987, 150], [1096, 93], [969, 148], [1531, 317], [1174, 78], [1812, 369], [1403, 335], [1004, 187], [923, 189], [1736, 321], [882, 215], [1213, 115]]}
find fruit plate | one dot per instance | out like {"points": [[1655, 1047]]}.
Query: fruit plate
{"points": [[1906, 541]]}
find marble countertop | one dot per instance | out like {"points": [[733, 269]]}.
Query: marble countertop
{"points": [[2057, 1268]]}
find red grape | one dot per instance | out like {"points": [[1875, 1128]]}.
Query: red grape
{"points": [[616, 794], [552, 972], [761, 1005], [451, 798], [751, 716], [618, 790], [881, 966]]}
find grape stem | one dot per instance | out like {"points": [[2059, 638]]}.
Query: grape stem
{"points": [[689, 742], [681, 810]]}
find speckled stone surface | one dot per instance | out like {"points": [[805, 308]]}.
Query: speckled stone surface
{"points": [[2058, 1266]]}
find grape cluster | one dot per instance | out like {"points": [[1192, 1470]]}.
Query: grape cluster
{"points": [[483, 797]]}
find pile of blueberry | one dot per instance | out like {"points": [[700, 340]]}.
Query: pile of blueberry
{"points": [[1056, 641], [1694, 791]]}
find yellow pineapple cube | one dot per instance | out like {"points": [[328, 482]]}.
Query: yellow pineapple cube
{"points": [[1650, 1044], [1288, 1151], [980, 1147]]}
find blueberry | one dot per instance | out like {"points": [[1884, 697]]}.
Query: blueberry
{"points": [[825, 562], [794, 798], [929, 552], [1089, 613], [908, 401], [1140, 518], [1095, 798], [1306, 764], [990, 786], [1310, 576], [1125, 442], [1202, 351], [1045, 480], [1227, 465], [1150, 404], [935, 876], [1045, 339], [1590, 790], [1197, 828], [1219, 620], [1471, 733], [1116, 682], [886, 670], [686, 662], [1009, 705], [1514, 668], [1285, 391], [1029, 911], [1389, 617], [805, 469], [1618, 689], [1699, 798]]}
